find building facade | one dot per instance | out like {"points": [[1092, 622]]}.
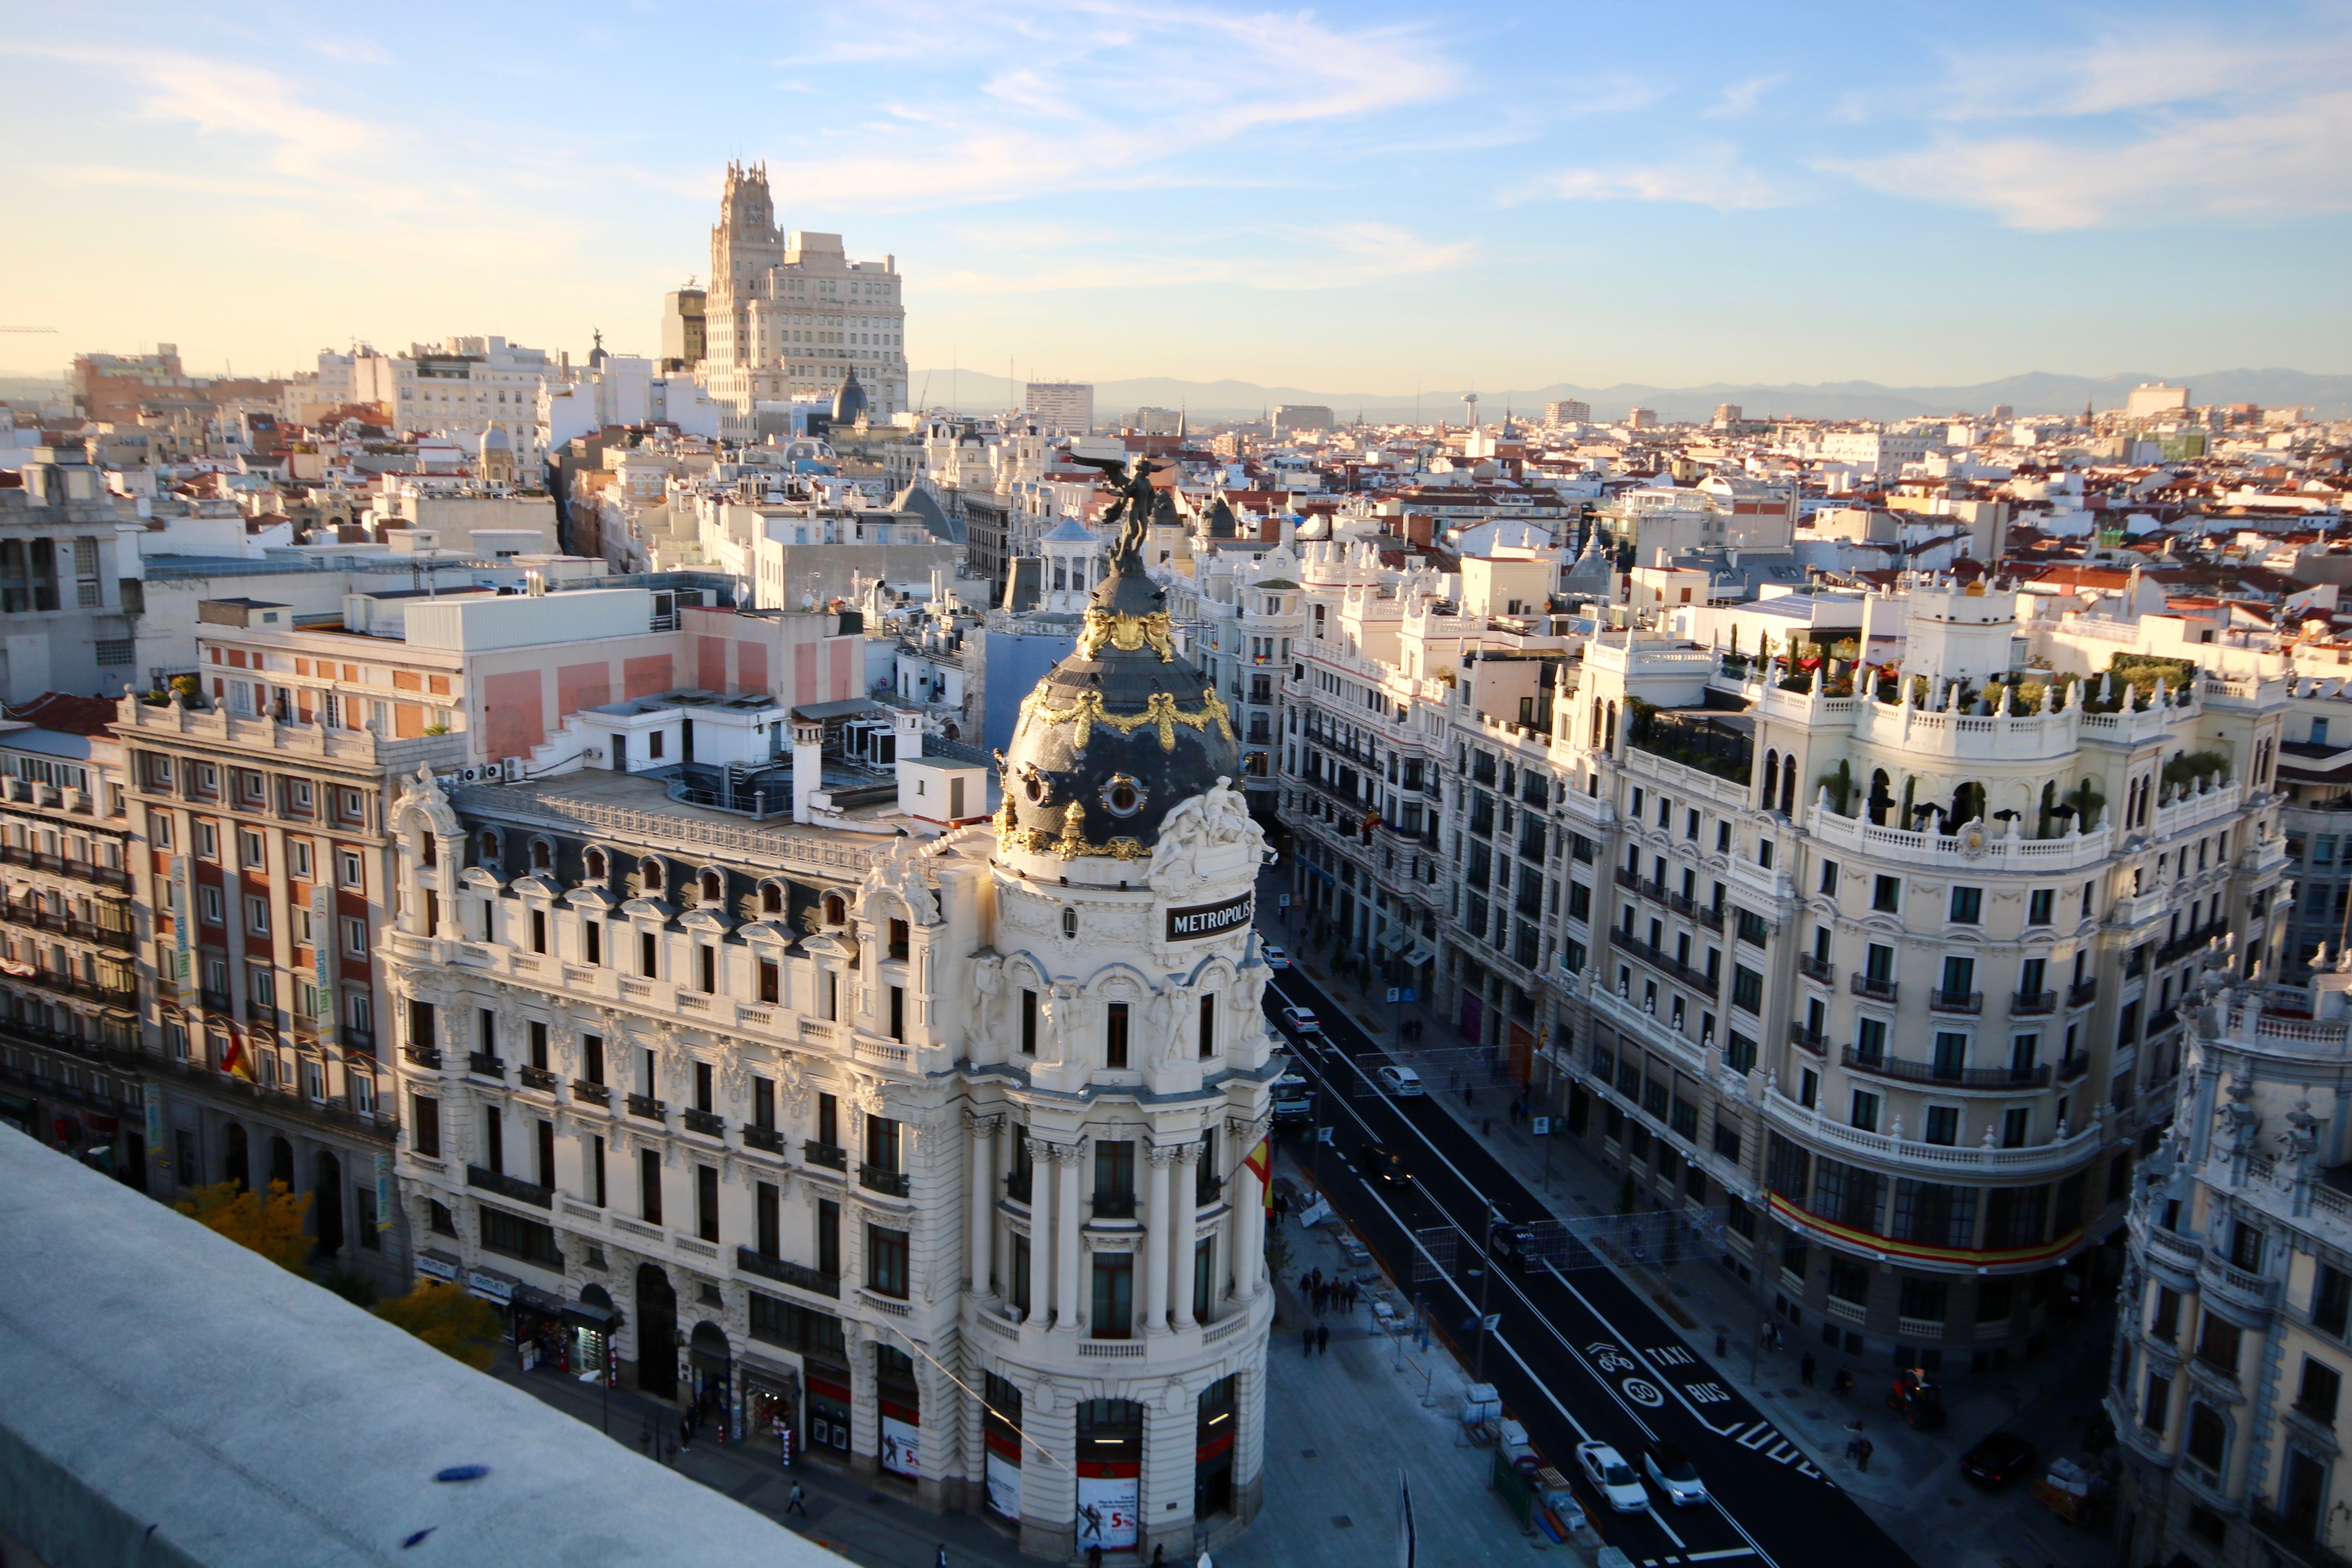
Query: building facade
{"points": [[791, 316], [1064, 407], [2232, 1344], [933, 1152], [1897, 977]]}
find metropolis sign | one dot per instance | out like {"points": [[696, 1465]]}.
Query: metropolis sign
{"points": [[1195, 922]]}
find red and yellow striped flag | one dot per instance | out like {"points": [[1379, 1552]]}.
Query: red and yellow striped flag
{"points": [[1261, 1165]]}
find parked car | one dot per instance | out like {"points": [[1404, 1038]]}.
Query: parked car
{"points": [[1998, 1460], [1675, 1474], [1275, 957], [1400, 1081], [1300, 1021], [1612, 1477], [1386, 1166], [1508, 1243]]}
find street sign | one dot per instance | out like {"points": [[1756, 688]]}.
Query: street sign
{"points": [[1395, 995], [1323, 1134], [1493, 1320], [1543, 1126], [1282, 903], [1408, 995]]}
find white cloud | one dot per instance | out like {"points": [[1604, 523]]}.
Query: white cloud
{"points": [[2154, 128], [1276, 258], [1742, 97], [1710, 176]]}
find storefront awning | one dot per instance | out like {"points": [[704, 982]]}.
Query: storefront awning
{"points": [[1422, 953], [589, 1316], [438, 1264]]}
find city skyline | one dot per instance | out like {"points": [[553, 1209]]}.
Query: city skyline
{"points": [[1098, 193]]}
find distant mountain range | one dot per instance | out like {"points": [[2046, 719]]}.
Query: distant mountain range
{"points": [[2038, 392]]}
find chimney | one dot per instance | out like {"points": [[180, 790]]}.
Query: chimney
{"points": [[808, 741]]}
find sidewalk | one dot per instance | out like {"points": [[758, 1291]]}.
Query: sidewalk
{"points": [[1913, 1488]]}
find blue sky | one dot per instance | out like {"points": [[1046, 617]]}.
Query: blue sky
{"points": [[1362, 199]]}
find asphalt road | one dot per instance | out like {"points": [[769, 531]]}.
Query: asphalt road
{"points": [[1577, 1355]]}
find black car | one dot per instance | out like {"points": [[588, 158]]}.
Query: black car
{"points": [[1509, 1245], [1386, 1166], [1998, 1460]]}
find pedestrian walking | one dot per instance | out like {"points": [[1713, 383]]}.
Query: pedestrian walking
{"points": [[1805, 1369], [1863, 1448], [798, 1502], [1842, 1384], [1764, 1336], [1323, 1338], [1854, 1450], [1307, 1338], [686, 1433], [940, 1560], [1159, 1557]]}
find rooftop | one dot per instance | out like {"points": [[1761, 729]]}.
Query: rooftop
{"points": [[188, 1437]]}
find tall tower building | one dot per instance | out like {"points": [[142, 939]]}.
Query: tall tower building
{"points": [[790, 316]]}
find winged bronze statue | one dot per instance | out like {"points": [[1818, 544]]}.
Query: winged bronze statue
{"points": [[1136, 495]]}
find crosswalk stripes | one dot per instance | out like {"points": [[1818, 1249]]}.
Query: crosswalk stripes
{"points": [[1782, 1451]]}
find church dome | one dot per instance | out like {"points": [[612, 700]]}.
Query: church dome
{"points": [[1116, 734], [848, 401]]}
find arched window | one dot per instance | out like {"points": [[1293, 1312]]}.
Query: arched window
{"points": [[771, 899], [541, 857], [1771, 778], [714, 887], [1069, 922], [1789, 783], [836, 909], [428, 849], [649, 871], [597, 868], [1881, 797], [488, 852]]}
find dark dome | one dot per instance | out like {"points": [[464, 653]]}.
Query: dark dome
{"points": [[848, 401], [1122, 729]]}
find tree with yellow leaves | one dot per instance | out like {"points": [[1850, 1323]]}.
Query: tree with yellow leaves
{"points": [[271, 1225], [448, 1320]]}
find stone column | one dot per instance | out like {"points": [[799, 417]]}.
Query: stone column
{"points": [[1180, 1239], [980, 1196], [1049, 1493], [1156, 1231], [864, 1404], [1164, 1503], [1067, 1256], [1249, 1233], [1041, 1232]]}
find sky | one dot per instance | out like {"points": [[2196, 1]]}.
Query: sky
{"points": [[1367, 199]]}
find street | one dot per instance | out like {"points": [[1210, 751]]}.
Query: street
{"points": [[1575, 1355]]}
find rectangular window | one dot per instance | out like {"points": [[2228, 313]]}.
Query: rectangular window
{"points": [[1943, 1125], [1115, 1036], [2322, 1385], [592, 937], [898, 1012], [1738, 1050], [1886, 894], [1028, 1023], [1751, 928], [2331, 1300], [427, 1116], [705, 1202], [705, 961], [829, 1237], [1850, 1280], [592, 1057], [828, 1120], [1870, 1039], [885, 1262], [539, 1045], [770, 988], [763, 1102], [2016, 1126], [538, 931], [648, 954], [1114, 1304], [518, 1237], [2155, 1407], [597, 1169], [2208, 1437], [649, 1193], [766, 1220], [2041, 907], [704, 1084], [1746, 988], [1207, 1026], [1968, 906]]}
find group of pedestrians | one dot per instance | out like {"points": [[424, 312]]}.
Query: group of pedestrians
{"points": [[1324, 1294]]}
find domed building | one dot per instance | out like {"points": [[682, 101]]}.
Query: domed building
{"points": [[848, 403], [926, 1134]]}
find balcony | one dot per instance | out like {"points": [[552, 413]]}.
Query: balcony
{"points": [[2162, 1021], [1819, 969], [66, 984], [764, 1138], [2032, 1003], [2216, 1277], [360, 1040], [1114, 1205], [1710, 917], [832, 1157], [58, 865], [594, 1093], [1907, 1071], [367, 1124], [216, 1002], [2297, 1539], [513, 1187], [1956, 1002], [1702, 983], [1207, 1189], [486, 1065], [797, 1275], [30, 912], [646, 1106], [422, 1056], [1806, 1039], [2082, 993], [707, 1123], [1876, 989], [536, 1078], [874, 1178], [1630, 881]]}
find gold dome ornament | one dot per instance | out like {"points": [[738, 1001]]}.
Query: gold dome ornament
{"points": [[1128, 634], [1087, 711]]}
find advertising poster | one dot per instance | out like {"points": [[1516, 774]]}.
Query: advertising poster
{"points": [[1004, 1486], [322, 953], [1106, 1510], [901, 1446]]}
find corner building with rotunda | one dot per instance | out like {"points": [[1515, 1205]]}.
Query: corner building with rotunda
{"points": [[927, 1141]]}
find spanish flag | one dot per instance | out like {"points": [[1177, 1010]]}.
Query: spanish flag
{"points": [[235, 1061], [1261, 1165]]}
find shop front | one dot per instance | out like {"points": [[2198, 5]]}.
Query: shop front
{"points": [[541, 1338], [828, 1408], [1110, 1473], [1215, 1429], [769, 1406], [1000, 1430], [436, 1265], [899, 1436], [589, 1326], [710, 1372]]}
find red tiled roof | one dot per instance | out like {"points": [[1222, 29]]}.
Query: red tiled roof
{"points": [[66, 713]]}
